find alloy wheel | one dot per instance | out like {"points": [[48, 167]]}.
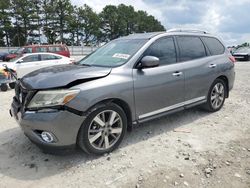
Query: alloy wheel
{"points": [[105, 129], [217, 95]]}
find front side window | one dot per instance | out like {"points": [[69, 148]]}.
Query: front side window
{"points": [[164, 49], [115, 53], [190, 48], [30, 58]]}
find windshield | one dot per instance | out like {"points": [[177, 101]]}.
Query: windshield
{"points": [[114, 53], [19, 51]]}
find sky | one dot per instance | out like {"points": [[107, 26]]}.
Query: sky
{"points": [[228, 19]]}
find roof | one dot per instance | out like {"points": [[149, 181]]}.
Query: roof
{"points": [[142, 35], [180, 31]]}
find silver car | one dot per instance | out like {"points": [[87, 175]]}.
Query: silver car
{"points": [[130, 80]]}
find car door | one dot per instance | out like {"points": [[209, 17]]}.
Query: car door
{"points": [[159, 89], [199, 68], [27, 64]]}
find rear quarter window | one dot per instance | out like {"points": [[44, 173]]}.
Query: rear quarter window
{"points": [[214, 45], [191, 47]]}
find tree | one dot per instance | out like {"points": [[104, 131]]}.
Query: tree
{"points": [[90, 24], [23, 12], [147, 23], [109, 20], [5, 22], [123, 20], [63, 10], [60, 21]]}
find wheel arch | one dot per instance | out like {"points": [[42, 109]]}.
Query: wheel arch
{"points": [[121, 103], [225, 79]]}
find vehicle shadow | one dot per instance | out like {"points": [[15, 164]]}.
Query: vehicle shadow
{"points": [[20, 159]]}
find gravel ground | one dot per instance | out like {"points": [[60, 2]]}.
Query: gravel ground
{"points": [[213, 151]]}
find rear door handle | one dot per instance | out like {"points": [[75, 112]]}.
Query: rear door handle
{"points": [[177, 73], [212, 65]]}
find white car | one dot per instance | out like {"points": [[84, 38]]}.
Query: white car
{"points": [[33, 61]]}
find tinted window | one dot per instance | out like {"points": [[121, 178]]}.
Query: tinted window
{"points": [[214, 46], [164, 49], [190, 48], [55, 49], [27, 50], [41, 49], [30, 58], [49, 57]]}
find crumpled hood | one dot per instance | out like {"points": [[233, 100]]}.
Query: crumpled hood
{"points": [[62, 76]]}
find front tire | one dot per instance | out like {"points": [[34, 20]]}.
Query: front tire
{"points": [[216, 96], [103, 129]]}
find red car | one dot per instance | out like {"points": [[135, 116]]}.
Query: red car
{"points": [[55, 48]]}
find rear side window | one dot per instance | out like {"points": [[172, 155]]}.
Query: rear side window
{"points": [[190, 48], [41, 49], [27, 50], [55, 49], [46, 57], [164, 49], [214, 46]]}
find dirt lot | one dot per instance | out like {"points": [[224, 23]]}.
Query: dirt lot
{"points": [[213, 152]]}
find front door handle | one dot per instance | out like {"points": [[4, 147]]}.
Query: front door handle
{"points": [[212, 65], [177, 73]]}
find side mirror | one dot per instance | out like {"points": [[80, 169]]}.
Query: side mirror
{"points": [[149, 62], [20, 61]]}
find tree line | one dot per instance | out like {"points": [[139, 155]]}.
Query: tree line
{"points": [[60, 21]]}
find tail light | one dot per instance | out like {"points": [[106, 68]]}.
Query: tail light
{"points": [[232, 59]]}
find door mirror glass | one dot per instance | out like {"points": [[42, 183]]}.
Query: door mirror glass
{"points": [[149, 62]]}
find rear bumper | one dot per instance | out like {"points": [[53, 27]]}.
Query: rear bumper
{"points": [[63, 125]]}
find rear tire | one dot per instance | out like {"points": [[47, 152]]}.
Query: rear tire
{"points": [[4, 87], [103, 129], [216, 96]]}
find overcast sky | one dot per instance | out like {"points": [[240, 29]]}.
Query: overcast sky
{"points": [[230, 19]]}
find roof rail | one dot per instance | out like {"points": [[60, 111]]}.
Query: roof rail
{"points": [[188, 30]]}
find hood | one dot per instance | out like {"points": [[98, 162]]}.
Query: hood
{"points": [[63, 76]]}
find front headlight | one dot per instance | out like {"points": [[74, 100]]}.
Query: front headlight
{"points": [[51, 98]]}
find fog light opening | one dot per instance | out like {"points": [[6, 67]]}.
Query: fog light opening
{"points": [[47, 137]]}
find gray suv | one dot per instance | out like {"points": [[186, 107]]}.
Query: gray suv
{"points": [[130, 80]]}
